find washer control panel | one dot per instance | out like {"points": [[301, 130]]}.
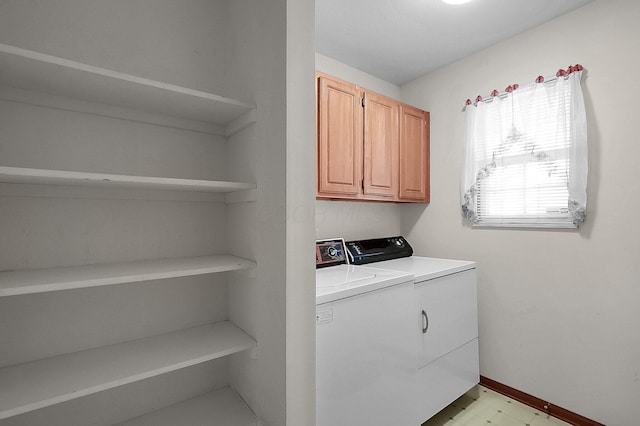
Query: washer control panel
{"points": [[330, 253]]}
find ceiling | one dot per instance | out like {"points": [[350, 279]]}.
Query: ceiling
{"points": [[400, 40]]}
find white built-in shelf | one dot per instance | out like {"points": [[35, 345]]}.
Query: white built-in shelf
{"points": [[34, 71], [54, 279], [63, 177], [220, 407], [33, 385]]}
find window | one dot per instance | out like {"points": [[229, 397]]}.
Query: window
{"points": [[525, 160]]}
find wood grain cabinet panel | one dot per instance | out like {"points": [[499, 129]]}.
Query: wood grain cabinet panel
{"points": [[380, 146], [414, 155], [369, 147], [339, 138]]}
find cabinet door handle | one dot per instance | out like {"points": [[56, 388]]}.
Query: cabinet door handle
{"points": [[425, 322]]}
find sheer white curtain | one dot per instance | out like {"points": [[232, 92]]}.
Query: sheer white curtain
{"points": [[525, 157]]}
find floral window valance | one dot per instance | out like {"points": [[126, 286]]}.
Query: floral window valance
{"points": [[525, 156]]}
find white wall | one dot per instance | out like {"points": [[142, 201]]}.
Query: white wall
{"points": [[349, 219], [301, 178], [256, 43], [558, 310], [271, 53]]}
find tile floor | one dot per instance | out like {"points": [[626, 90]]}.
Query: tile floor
{"points": [[484, 407]]}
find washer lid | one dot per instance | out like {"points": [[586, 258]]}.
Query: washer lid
{"points": [[342, 281], [334, 277]]}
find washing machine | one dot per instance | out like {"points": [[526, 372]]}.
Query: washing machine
{"points": [[366, 352]]}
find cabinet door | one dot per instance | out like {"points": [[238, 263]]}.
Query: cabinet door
{"points": [[449, 314], [381, 136], [414, 154], [339, 138]]}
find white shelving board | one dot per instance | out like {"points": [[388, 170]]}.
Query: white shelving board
{"points": [[220, 407], [33, 385], [34, 71], [63, 177], [66, 278]]}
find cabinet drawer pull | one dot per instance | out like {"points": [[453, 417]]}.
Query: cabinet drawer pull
{"points": [[425, 322]]}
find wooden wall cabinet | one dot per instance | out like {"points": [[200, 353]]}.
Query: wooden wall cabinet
{"points": [[370, 147], [414, 154], [380, 146], [339, 138]]}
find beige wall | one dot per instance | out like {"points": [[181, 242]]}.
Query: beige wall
{"points": [[559, 310], [270, 49]]}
